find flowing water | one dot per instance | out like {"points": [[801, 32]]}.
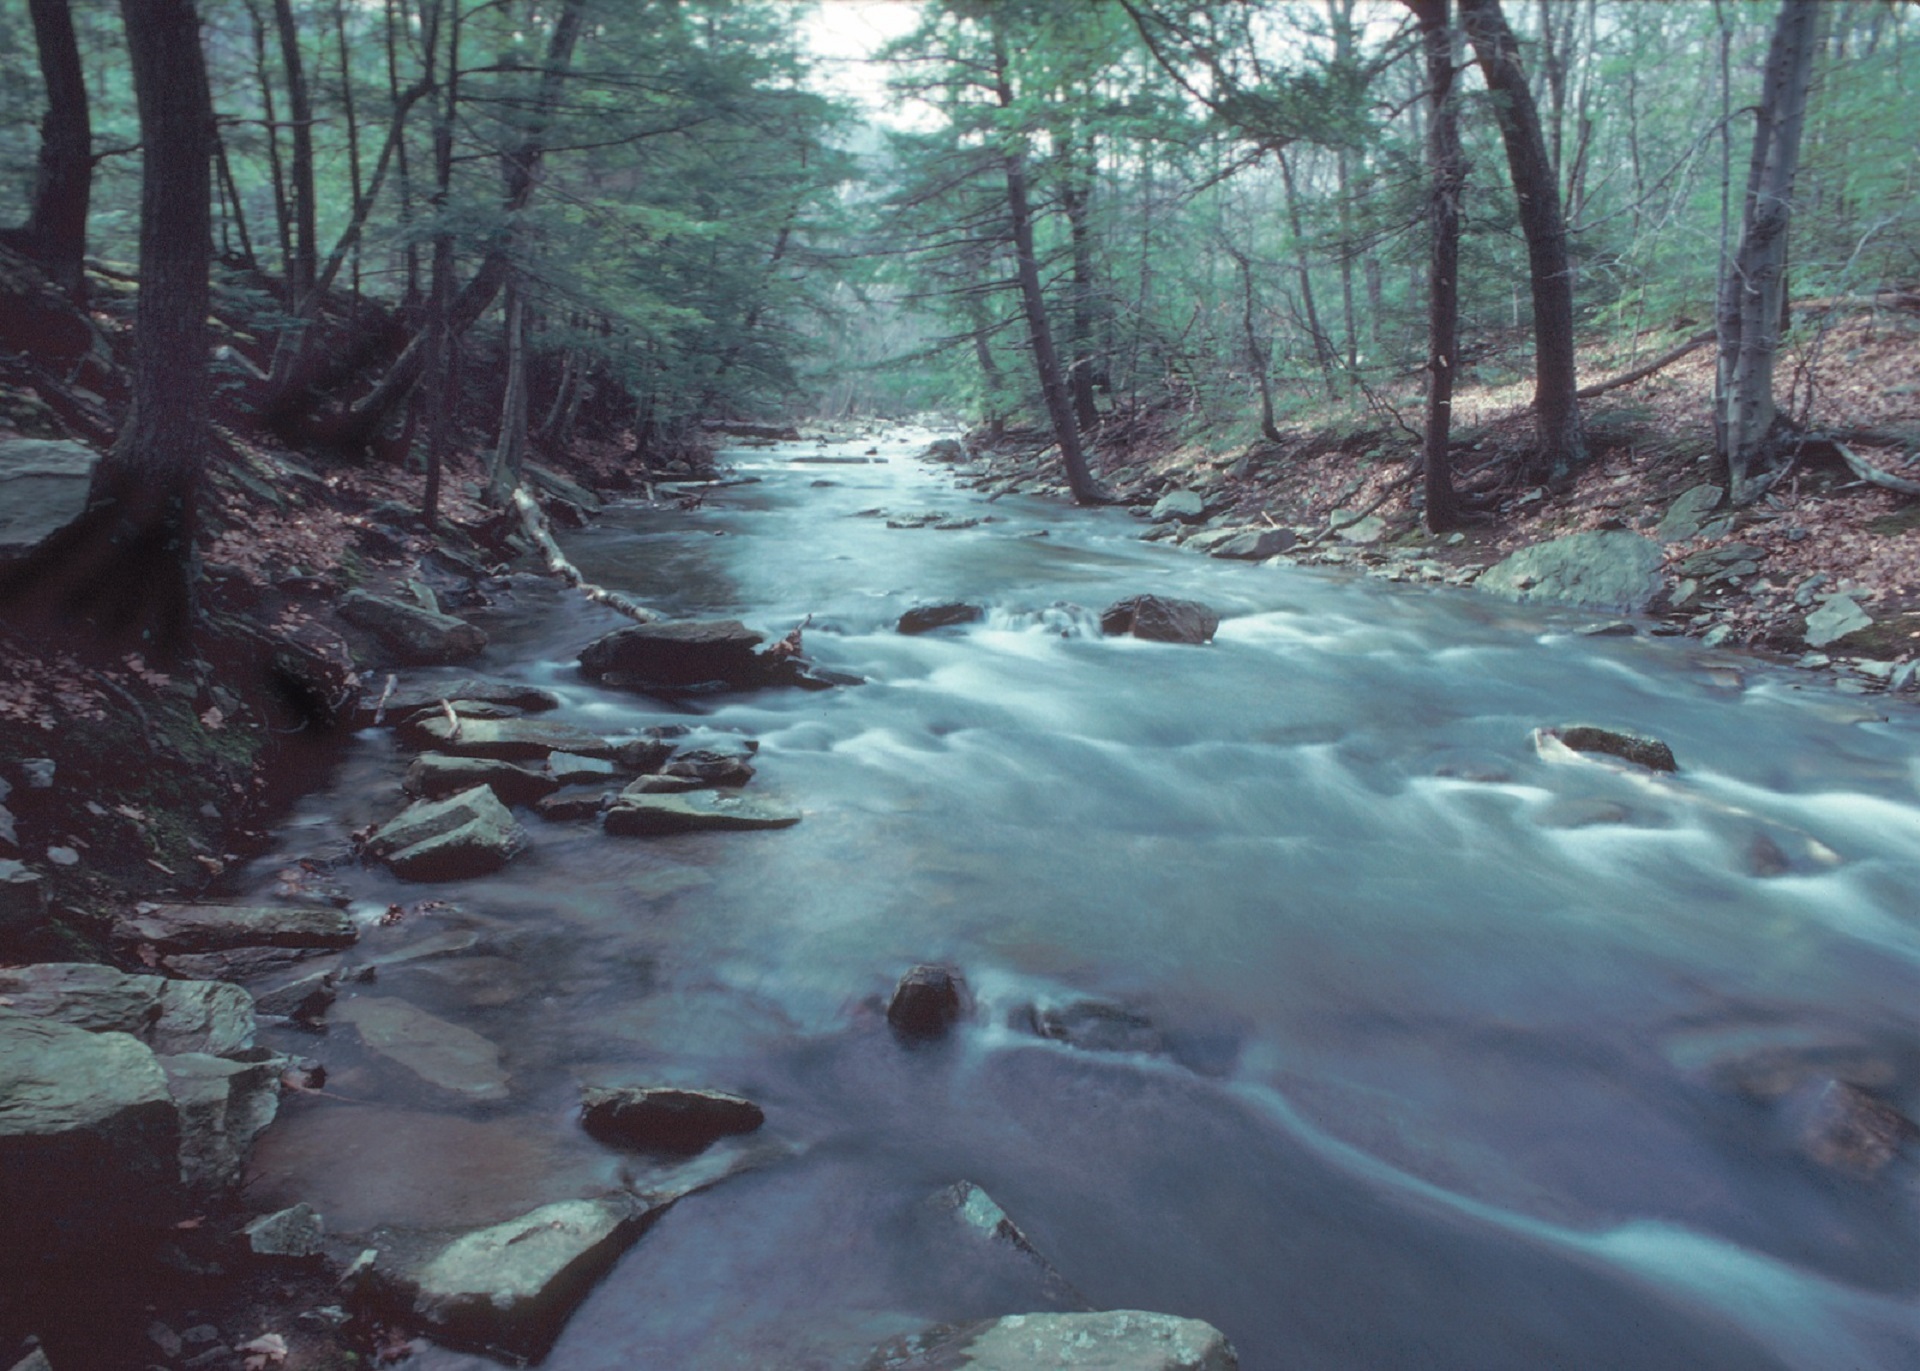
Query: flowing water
{"points": [[1461, 1056]]}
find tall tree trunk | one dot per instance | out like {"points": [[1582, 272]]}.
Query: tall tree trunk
{"points": [[126, 564], [306, 250], [1076, 191], [348, 110], [1446, 170], [234, 208], [276, 168], [1753, 292], [510, 451], [1322, 345], [1046, 361], [441, 363], [1549, 268], [1259, 350], [55, 234], [412, 250]]}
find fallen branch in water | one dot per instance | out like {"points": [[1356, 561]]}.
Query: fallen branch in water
{"points": [[534, 520]]}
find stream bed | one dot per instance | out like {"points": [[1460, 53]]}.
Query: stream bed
{"points": [[1439, 1052]]}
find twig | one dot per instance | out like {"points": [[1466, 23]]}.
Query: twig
{"points": [[1334, 526], [380, 709], [1867, 471], [453, 721], [535, 523]]}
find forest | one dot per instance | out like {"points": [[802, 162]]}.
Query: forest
{"points": [[362, 359]]}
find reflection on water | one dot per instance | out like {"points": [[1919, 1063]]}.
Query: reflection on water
{"points": [[1468, 1056]]}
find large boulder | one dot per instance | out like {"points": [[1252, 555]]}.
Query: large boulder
{"points": [[1837, 616], [509, 740], [467, 834], [223, 1104], [168, 1015], [1608, 569], [671, 658], [1628, 747], [220, 928], [435, 776], [944, 450], [89, 1138], [414, 636], [663, 1118], [927, 1002], [1187, 506], [1161, 620], [43, 486], [637, 813], [1115, 1340], [926, 618], [1254, 544]]}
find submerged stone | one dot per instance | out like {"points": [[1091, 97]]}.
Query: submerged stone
{"points": [[1116, 1340], [663, 1118], [966, 1212], [441, 1053]]}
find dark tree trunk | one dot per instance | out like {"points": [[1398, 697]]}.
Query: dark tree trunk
{"points": [[126, 564], [348, 109], [1549, 269], [55, 234], [276, 168], [1046, 361], [306, 250], [1447, 179], [1075, 197], [1322, 345], [441, 362], [1259, 350], [510, 452]]}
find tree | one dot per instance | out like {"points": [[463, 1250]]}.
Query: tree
{"points": [[1562, 445], [1447, 179], [55, 234], [126, 565], [1753, 289]]}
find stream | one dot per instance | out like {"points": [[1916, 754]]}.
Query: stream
{"points": [[1447, 1053]]}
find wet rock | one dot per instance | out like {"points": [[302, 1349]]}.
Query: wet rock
{"points": [[1187, 506], [434, 776], [1255, 544], [510, 1288], [649, 752], [1631, 747], [1687, 513], [43, 486], [1839, 616], [567, 768], [36, 1360], [664, 1119], [564, 487], [721, 765], [294, 1234], [664, 785], [1116, 1340], [681, 656], [944, 450], [926, 1002], [1844, 1128], [223, 1104], [411, 699], [89, 1137], [1368, 528], [1093, 1026], [167, 1015], [466, 834], [1161, 620], [218, 928], [574, 806], [964, 1210], [1612, 628], [510, 740], [1611, 569], [23, 901], [414, 636], [638, 814], [444, 1054], [462, 709], [926, 618]]}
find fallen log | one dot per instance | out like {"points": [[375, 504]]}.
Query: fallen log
{"points": [[1879, 476], [534, 520], [1665, 359]]}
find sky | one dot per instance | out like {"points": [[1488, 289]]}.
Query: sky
{"points": [[843, 34]]}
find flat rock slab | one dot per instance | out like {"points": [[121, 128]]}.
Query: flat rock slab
{"points": [[414, 636], [411, 699], [219, 928], [1254, 544], [223, 1104], [1608, 569], [445, 1054], [510, 740], [467, 834], [43, 486], [678, 656], [1185, 505], [665, 1118], [637, 814], [434, 776], [1689, 511], [1116, 1340], [1835, 619], [167, 1015], [1160, 620]]}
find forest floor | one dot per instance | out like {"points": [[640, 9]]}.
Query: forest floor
{"points": [[1757, 572]]}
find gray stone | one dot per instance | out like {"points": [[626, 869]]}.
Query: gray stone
{"points": [[638, 814], [944, 450], [435, 776], [678, 656], [411, 699], [1610, 569], [1160, 619], [466, 834], [1687, 513], [983, 1228], [1846, 1129], [43, 486], [509, 740], [926, 1002], [167, 1015], [926, 618], [294, 1234], [1185, 505], [89, 1136], [1115, 1340], [664, 1118], [568, 489], [1368, 528], [1834, 620], [23, 900], [664, 785], [35, 1360], [569, 768], [1631, 747], [1256, 544], [414, 636], [574, 806], [720, 765], [217, 928], [223, 1104], [445, 1054], [648, 752], [1094, 1026]]}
